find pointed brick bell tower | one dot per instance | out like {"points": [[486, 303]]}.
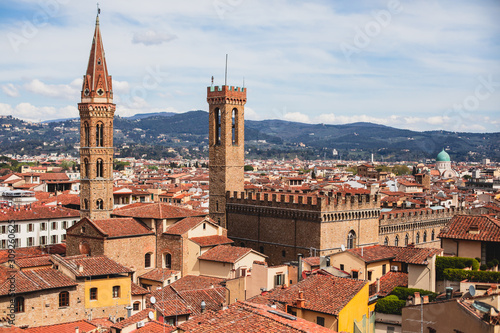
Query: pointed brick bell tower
{"points": [[96, 135]]}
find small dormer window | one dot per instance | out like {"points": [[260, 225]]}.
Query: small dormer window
{"points": [[100, 92], [86, 92], [99, 61]]}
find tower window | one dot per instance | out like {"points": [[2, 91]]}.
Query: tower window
{"points": [[99, 135], [386, 241], [234, 129], [168, 260], [425, 236], [86, 168], [418, 238], [99, 168], [63, 298], [396, 241], [85, 204], [351, 239], [217, 114], [407, 240], [99, 204], [86, 134], [147, 260]]}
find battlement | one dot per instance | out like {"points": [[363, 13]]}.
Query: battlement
{"points": [[422, 214], [226, 94], [322, 203]]}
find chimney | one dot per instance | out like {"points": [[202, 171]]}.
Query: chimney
{"points": [[416, 298], [301, 301], [203, 306], [77, 329], [426, 299], [299, 273], [80, 268], [129, 311], [449, 292]]}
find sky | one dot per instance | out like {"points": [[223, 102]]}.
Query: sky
{"points": [[420, 65]]}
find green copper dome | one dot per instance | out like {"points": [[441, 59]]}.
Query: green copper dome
{"points": [[443, 157]]}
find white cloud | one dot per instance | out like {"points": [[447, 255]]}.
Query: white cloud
{"points": [[10, 90], [67, 91], [250, 114], [31, 112], [152, 37], [296, 116]]}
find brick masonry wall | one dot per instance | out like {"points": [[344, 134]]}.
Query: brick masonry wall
{"points": [[42, 307]]}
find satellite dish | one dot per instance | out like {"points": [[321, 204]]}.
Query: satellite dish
{"points": [[151, 315], [342, 247], [153, 300], [472, 290]]}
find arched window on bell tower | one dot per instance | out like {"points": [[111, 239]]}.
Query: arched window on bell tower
{"points": [[86, 168], [85, 204], [99, 204], [99, 168], [86, 134], [217, 114], [99, 135], [234, 129]]}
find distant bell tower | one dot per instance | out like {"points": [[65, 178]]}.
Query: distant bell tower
{"points": [[226, 146], [96, 135]]}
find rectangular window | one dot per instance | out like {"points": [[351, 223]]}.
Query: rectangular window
{"points": [[341, 267], [93, 294], [53, 239], [16, 242], [43, 240], [54, 226], [43, 226], [63, 237], [279, 279], [65, 225], [136, 306], [4, 244], [354, 274], [384, 269], [116, 291], [30, 227], [369, 276], [320, 321], [4, 229], [31, 241]]}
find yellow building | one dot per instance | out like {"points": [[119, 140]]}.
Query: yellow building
{"points": [[329, 301], [106, 283]]}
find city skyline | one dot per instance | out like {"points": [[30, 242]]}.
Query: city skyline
{"points": [[420, 66]]}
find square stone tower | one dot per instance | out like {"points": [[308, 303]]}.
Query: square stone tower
{"points": [[226, 146]]}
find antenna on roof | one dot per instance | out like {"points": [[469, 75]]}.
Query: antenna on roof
{"points": [[225, 76], [98, 9]]}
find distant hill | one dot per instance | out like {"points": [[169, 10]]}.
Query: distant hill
{"points": [[153, 135]]}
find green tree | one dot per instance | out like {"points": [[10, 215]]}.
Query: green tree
{"points": [[248, 168], [400, 170]]}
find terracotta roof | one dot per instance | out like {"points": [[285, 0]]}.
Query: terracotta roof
{"points": [[83, 266], [34, 280], [22, 252], [211, 240], [172, 307], [388, 282], [53, 177], [158, 274], [37, 212], [156, 211], [122, 227], [138, 290], [155, 327], [250, 318], [190, 282], [225, 253], [472, 227], [373, 253], [43, 260], [184, 225], [312, 261], [410, 255], [83, 325], [132, 320], [322, 293]]}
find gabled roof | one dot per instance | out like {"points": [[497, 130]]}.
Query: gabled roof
{"points": [[84, 266], [158, 274], [388, 282], [373, 253], [226, 253], [472, 227], [43, 260], [211, 240], [37, 212], [172, 307], [83, 325], [35, 280], [132, 320], [158, 210], [138, 290], [250, 318], [184, 225], [115, 227], [190, 282], [322, 293]]}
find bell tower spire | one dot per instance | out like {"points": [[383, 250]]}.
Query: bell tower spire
{"points": [[96, 134]]}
